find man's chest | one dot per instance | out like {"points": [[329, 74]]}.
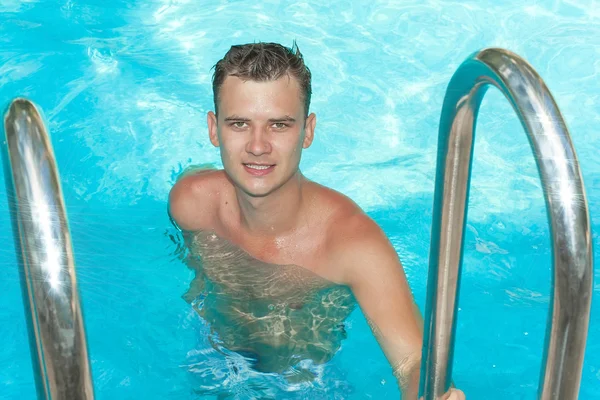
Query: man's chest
{"points": [[306, 251], [271, 267]]}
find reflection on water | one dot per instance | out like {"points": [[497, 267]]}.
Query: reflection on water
{"points": [[265, 319]]}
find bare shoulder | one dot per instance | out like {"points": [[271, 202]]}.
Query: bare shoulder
{"points": [[194, 199], [353, 239], [346, 221]]}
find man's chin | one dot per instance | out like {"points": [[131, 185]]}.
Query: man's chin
{"points": [[253, 191], [258, 192], [259, 188]]}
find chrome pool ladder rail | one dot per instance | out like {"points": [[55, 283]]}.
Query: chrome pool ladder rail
{"points": [[46, 264], [567, 210]]}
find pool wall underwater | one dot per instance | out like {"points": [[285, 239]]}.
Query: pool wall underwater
{"points": [[125, 87]]}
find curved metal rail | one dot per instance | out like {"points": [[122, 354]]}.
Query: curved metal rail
{"points": [[566, 205], [47, 269]]}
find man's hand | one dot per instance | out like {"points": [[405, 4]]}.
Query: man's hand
{"points": [[453, 394], [456, 394]]}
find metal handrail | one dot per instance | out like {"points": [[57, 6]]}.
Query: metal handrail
{"points": [[47, 269], [568, 215]]}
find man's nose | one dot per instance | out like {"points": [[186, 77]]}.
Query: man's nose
{"points": [[259, 142]]}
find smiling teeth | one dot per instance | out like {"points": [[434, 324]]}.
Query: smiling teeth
{"points": [[258, 166]]}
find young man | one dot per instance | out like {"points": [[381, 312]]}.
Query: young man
{"points": [[271, 241]]}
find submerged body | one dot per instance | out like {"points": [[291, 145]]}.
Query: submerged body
{"points": [[275, 315]]}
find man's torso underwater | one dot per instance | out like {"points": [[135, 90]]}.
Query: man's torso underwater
{"points": [[275, 315]]}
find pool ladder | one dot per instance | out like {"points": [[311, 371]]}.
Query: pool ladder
{"points": [[54, 318], [566, 204], [43, 243]]}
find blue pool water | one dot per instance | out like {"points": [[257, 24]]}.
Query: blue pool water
{"points": [[125, 86]]}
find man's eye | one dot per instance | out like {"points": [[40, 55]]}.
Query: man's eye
{"points": [[239, 124], [280, 125]]}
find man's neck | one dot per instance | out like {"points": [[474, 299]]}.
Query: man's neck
{"points": [[275, 213]]}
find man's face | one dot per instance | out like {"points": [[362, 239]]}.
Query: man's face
{"points": [[261, 131]]}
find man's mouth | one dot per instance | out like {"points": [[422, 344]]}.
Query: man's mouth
{"points": [[259, 166], [259, 169]]}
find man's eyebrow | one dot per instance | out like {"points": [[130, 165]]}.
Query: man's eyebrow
{"points": [[285, 118], [236, 118]]}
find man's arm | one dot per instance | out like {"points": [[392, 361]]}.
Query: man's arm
{"points": [[191, 205], [375, 274]]}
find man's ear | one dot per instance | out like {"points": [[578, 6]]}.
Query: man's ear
{"points": [[309, 130], [211, 120]]}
